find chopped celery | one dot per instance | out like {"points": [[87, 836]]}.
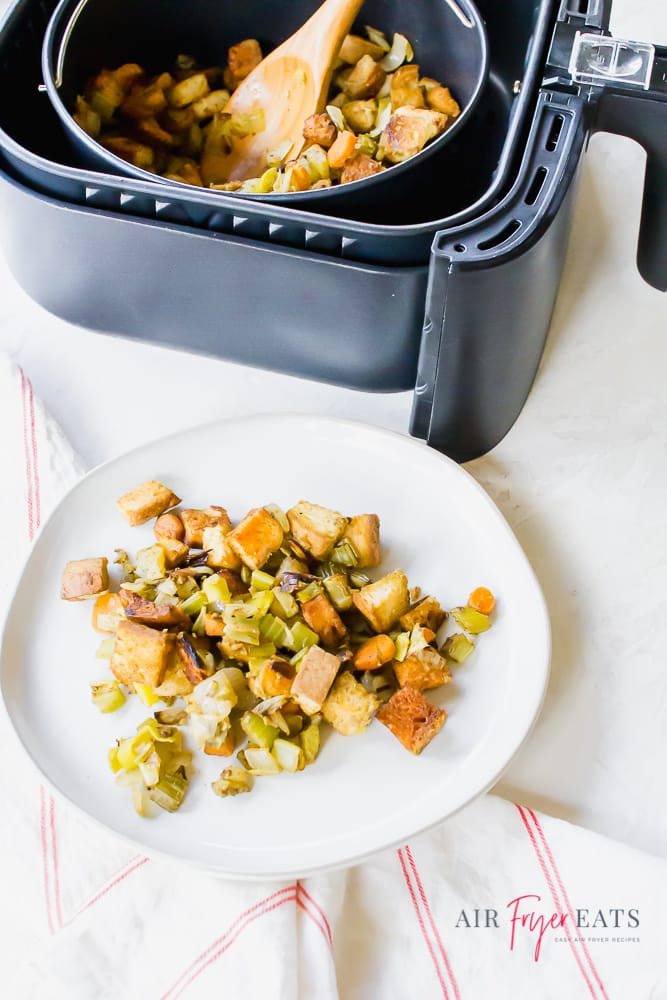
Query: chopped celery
{"points": [[294, 724], [301, 636], [107, 696], [359, 579], [344, 554], [366, 144], [140, 799], [259, 603], [145, 693], [276, 718], [336, 116], [273, 508], [471, 620], [377, 38], [245, 124], [169, 791], [232, 781], [105, 648], [310, 742], [402, 643], [260, 761], [273, 630], [199, 626], [284, 605], [287, 754], [247, 632], [150, 770], [258, 731], [315, 160], [339, 593], [309, 592], [168, 586], [261, 581], [185, 587], [274, 158], [245, 574], [216, 589], [259, 655], [193, 605], [457, 647], [417, 640], [114, 763], [171, 717], [132, 750], [298, 656]]}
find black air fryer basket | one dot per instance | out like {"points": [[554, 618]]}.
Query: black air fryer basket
{"points": [[447, 289]]}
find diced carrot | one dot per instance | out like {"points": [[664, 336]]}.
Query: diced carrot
{"points": [[374, 653], [342, 149], [482, 600], [106, 604], [226, 748]]}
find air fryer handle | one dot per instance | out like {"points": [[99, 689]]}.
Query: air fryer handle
{"points": [[638, 117], [626, 84]]}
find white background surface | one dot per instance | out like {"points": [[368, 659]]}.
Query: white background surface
{"points": [[581, 478]]}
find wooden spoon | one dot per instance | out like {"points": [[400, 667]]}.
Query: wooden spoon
{"points": [[290, 84]]}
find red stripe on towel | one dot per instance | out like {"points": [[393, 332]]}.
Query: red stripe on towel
{"points": [[422, 896], [132, 866], [45, 862], [304, 892], [420, 919], [538, 827], [554, 896]]}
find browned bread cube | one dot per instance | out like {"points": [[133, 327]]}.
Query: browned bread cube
{"points": [[316, 675], [323, 618], [359, 166], [315, 528], [405, 90], [256, 538], [195, 521], [243, 58], [354, 47], [412, 719], [221, 555], [140, 654], [349, 707], [175, 681], [363, 80], [148, 500], [175, 551], [145, 612], [408, 131], [320, 130], [84, 578], [426, 613], [363, 532], [384, 601], [423, 670]]}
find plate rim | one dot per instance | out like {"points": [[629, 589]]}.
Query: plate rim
{"points": [[532, 715]]}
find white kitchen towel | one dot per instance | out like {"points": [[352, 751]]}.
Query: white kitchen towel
{"points": [[497, 902]]}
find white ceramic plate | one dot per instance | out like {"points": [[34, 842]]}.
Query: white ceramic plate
{"points": [[364, 793]]}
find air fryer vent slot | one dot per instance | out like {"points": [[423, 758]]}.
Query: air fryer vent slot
{"points": [[501, 237], [554, 133], [536, 185]]}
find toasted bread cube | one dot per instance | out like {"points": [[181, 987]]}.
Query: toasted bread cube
{"points": [[320, 129], [174, 551], [140, 654], [145, 612], [349, 707], [363, 532], [256, 538], [405, 90], [359, 166], [195, 521], [363, 80], [407, 132], [412, 719], [243, 58], [220, 553], [315, 528], [316, 675], [147, 501], [440, 99], [84, 578], [360, 115], [175, 681], [423, 670], [187, 91], [187, 657], [354, 47], [426, 613], [151, 562], [382, 603], [323, 618]]}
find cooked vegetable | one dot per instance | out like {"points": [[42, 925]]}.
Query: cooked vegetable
{"points": [[482, 600], [232, 781], [374, 653], [471, 620], [457, 647], [107, 696]]}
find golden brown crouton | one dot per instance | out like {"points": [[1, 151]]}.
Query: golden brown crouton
{"points": [[320, 130], [140, 155], [151, 562], [274, 678], [144, 102], [360, 115], [149, 131], [175, 681], [145, 612], [427, 613], [189, 661], [84, 578], [316, 675], [440, 99], [411, 718], [195, 521], [354, 47], [243, 58], [234, 582], [323, 618], [363, 80], [423, 670], [221, 555], [363, 532], [175, 552], [408, 131], [256, 537], [349, 707], [315, 528], [214, 624], [405, 90], [140, 654], [359, 166], [147, 501], [382, 603]]}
